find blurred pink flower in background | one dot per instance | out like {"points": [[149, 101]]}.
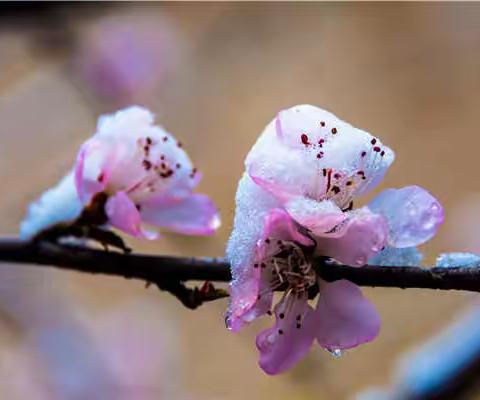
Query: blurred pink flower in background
{"points": [[124, 58], [295, 201], [135, 172]]}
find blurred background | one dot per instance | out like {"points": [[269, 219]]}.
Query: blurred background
{"points": [[215, 75]]}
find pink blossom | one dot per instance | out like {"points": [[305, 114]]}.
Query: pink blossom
{"points": [[146, 176], [130, 173], [294, 202]]}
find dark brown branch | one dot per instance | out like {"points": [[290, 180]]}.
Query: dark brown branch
{"points": [[158, 269]]}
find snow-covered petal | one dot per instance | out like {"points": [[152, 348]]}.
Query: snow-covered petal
{"points": [[459, 259], [307, 151], [413, 215], [345, 318], [58, 204], [251, 291], [363, 235], [317, 216], [287, 342], [124, 215], [398, 257], [194, 215]]}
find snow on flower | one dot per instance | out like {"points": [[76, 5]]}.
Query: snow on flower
{"points": [[295, 202], [57, 205], [131, 173]]}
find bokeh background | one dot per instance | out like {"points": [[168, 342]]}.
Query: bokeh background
{"points": [[215, 74]]}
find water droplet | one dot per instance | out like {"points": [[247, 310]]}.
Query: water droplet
{"points": [[336, 353]]}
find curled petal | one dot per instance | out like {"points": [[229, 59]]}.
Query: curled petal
{"points": [[279, 225], [90, 174], [319, 217], [413, 215], [346, 318], [287, 342], [123, 215], [362, 236], [194, 215]]}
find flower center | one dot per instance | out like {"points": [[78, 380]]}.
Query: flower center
{"points": [[287, 266]]}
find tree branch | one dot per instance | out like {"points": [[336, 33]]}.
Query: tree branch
{"points": [[161, 270]]}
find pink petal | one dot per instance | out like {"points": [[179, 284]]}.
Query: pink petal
{"points": [[286, 343], [123, 215], [317, 216], [346, 318], [279, 225], [362, 236], [194, 215], [412, 213], [92, 181]]}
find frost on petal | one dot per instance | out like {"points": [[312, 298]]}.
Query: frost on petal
{"points": [[413, 215], [58, 204], [317, 216], [280, 170], [395, 257], [359, 238], [124, 215], [345, 317], [252, 206], [194, 215], [307, 151], [288, 341], [446, 260]]}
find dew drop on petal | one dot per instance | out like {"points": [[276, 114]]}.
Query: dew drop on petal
{"points": [[336, 353]]}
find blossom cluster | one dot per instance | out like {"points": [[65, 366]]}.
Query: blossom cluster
{"points": [[294, 204]]}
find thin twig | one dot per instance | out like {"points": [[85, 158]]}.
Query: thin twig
{"points": [[156, 269]]}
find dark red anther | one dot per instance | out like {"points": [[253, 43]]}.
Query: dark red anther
{"points": [[363, 153], [322, 123], [334, 130], [320, 155], [147, 164], [373, 141], [382, 153], [377, 149], [304, 139]]}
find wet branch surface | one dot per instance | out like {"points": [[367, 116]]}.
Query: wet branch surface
{"points": [[164, 270]]}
